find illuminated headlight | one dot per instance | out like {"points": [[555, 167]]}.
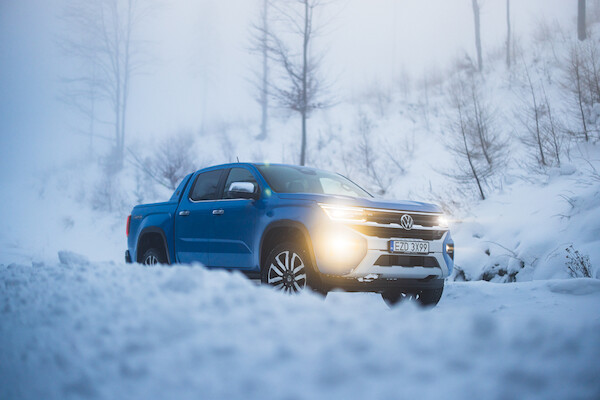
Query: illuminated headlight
{"points": [[341, 213], [443, 221]]}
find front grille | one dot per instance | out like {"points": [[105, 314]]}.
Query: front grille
{"points": [[389, 232], [386, 217], [389, 260]]}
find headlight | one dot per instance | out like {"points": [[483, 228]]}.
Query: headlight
{"points": [[443, 221], [341, 213]]}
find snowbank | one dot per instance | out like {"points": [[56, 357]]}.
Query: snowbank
{"points": [[523, 232], [109, 330]]}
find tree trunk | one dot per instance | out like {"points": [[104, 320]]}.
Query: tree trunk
{"points": [[304, 104], [303, 146], [264, 94], [126, 74], [468, 153], [578, 78], [581, 20], [536, 114], [480, 126], [508, 33], [477, 34]]}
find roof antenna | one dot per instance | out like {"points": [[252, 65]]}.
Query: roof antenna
{"points": [[238, 159]]}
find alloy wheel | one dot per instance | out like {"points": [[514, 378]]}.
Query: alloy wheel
{"points": [[151, 259], [287, 272]]}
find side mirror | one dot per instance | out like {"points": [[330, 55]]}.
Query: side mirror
{"points": [[242, 190]]}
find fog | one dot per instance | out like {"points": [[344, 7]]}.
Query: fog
{"points": [[200, 67]]}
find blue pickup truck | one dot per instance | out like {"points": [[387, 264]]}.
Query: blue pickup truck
{"points": [[294, 228]]}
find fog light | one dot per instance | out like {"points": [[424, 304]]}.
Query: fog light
{"points": [[343, 247], [450, 250], [340, 249]]}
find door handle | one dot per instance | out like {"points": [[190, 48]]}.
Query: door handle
{"points": [[184, 213], [220, 211]]}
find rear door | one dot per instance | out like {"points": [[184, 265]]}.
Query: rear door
{"points": [[194, 218], [234, 225]]}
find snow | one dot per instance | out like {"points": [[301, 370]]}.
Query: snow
{"points": [[85, 325], [526, 228], [110, 330]]}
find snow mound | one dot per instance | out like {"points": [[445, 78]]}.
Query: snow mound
{"points": [[70, 258], [524, 232], [577, 287], [111, 330]]}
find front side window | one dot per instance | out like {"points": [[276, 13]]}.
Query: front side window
{"points": [[238, 175], [291, 179], [206, 186]]}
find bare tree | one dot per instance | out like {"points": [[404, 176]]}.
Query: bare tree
{"points": [[462, 148], [508, 38], [299, 88], [368, 153], [581, 31], [481, 122], [479, 152], [101, 38], [543, 131], [553, 131], [260, 45], [170, 161], [535, 114], [476, 14], [575, 84]]}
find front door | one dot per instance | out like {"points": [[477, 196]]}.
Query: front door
{"points": [[234, 225], [194, 219]]}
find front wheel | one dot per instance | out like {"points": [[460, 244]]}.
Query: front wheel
{"points": [[288, 268], [426, 297]]}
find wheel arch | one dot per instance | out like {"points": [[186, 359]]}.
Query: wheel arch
{"points": [[152, 237], [279, 232]]}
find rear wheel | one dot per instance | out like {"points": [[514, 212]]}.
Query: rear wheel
{"points": [[426, 297], [153, 257], [288, 269]]}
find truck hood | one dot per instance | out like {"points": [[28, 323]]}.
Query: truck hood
{"points": [[398, 205]]}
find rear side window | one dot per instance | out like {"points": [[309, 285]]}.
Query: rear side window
{"points": [[206, 186], [238, 175]]}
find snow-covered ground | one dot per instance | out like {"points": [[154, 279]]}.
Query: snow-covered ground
{"points": [[92, 327], [113, 331]]}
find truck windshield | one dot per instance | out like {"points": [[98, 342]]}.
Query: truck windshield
{"points": [[292, 179]]}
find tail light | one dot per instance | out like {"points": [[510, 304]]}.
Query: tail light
{"points": [[128, 224]]}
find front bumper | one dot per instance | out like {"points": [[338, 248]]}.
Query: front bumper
{"points": [[375, 261], [377, 247]]}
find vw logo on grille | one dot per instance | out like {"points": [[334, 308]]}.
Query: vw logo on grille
{"points": [[406, 222]]}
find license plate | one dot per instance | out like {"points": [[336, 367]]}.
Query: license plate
{"points": [[406, 246]]}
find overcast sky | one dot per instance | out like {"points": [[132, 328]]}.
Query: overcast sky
{"points": [[200, 71]]}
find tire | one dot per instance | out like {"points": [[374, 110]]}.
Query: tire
{"points": [[153, 257], [430, 297], [426, 297], [288, 268]]}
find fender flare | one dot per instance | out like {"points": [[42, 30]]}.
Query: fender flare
{"points": [[161, 233], [288, 223]]}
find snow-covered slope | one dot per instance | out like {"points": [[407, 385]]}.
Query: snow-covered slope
{"points": [[115, 331], [523, 232]]}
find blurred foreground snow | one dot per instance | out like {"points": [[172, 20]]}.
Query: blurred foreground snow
{"points": [[115, 331]]}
